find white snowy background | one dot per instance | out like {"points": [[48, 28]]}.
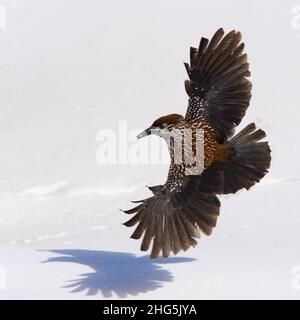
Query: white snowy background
{"points": [[69, 68]]}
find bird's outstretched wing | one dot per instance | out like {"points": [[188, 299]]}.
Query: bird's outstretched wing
{"points": [[173, 218], [218, 88]]}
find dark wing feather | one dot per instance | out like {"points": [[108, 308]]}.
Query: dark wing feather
{"points": [[172, 219], [218, 88]]}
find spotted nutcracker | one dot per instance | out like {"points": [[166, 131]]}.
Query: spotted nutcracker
{"points": [[186, 205]]}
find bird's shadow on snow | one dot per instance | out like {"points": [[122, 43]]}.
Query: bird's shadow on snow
{"points": [[116, 272]]}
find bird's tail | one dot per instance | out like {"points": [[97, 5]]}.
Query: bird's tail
{"points": [[248, 159]]}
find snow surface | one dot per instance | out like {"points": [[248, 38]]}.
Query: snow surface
{"points": [[70, 68]]}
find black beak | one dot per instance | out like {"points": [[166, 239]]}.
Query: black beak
{"points": [[145, 133]]}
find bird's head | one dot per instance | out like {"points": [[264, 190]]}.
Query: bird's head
{"points": [[163, 125]]}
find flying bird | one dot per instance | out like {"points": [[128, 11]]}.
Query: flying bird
{"points": [[187, 205]]}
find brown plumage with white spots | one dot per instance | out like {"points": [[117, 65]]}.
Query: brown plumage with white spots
{"points": [[206, 159]]}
